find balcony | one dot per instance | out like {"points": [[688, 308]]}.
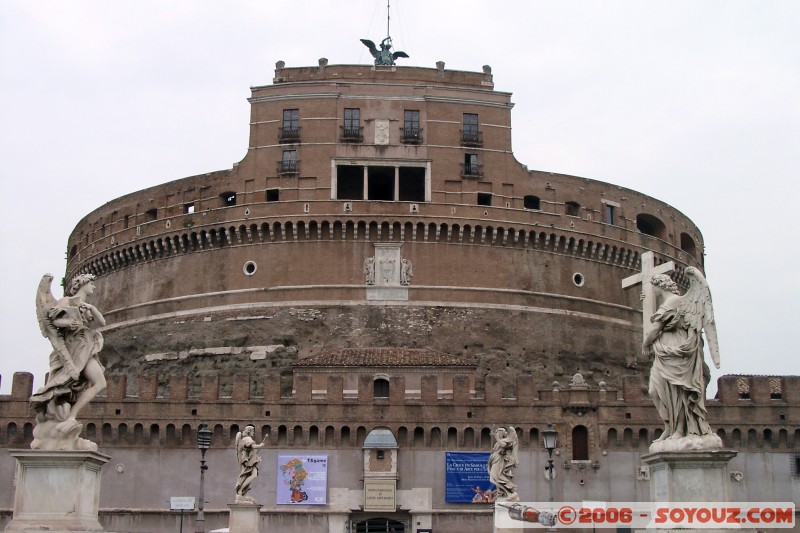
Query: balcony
{"points": [[351, 134], [288, 167], [471, 170], [472, 138], [411, 135], [289, 135]]}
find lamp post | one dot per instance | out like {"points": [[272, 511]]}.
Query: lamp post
{"points": [[550, 441], [203, 443]]}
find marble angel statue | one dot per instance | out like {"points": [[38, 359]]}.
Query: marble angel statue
{"points": [[76, 375], [675, 340], [502, 462], [247, 459]]}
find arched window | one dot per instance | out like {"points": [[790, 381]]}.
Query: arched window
{"points": [[380, 388], [532, 202], [580, 443], [650, 225]]}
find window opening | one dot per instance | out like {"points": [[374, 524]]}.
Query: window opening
{"points": [[532, 202], [380, 388], [290, 128], [650, 225], [380, 183], [351, 129], [288, 163], [610, 214], [412, 184], [188, 209], [273, 195], [687, 245], [349, 182], [471, 166], [411, 132], [228, 199], [580, 443], [484, 198], [151, 214], [470, 136], [572, 209]]}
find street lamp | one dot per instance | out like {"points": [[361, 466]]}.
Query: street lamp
{"points": [[203, 443], [550, 441]]}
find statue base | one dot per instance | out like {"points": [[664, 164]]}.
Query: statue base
{"points": [[244, 517], [57, 491], [690, 476]]}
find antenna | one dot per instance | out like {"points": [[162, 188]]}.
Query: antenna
{"points": [[388, 34]]}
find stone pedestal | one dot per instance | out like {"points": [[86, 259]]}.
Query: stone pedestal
{"points": [[692, 476], [244, 518], [57, 491]]}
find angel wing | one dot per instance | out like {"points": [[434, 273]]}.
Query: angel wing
{"points": [[698, 312], [44, 303], [238, 450], [512, 434], [399, 54], [372, 48]]}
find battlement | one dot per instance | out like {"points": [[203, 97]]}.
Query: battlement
{"points": [[335, 416]]}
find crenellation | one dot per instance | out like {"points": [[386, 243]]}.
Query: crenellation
{"points": [[178, 387], [524, 389], [790, 390], [760, 390], [429, 389], [302, 388], [494, 389], [21, 385], [727, 390]]}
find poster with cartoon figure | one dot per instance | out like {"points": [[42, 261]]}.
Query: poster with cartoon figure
{"points": [[302, 480]]}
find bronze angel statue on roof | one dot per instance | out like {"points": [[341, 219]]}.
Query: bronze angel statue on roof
{"points": [[76, 375], [384, 56], [677, 381]]}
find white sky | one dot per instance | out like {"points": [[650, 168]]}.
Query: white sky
{"points": [[694, 103]]}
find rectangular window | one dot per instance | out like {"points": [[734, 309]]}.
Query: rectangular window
{"points": [[290, 128], [288, 163], [609, 209], [351, 129], [411, 132], [470, 136], [412, 184], [273, 195], [471, 166], [349, 182], [484, 198], [188, 209], [380, 183], [352, 118], [470, 123], [291, 119]]}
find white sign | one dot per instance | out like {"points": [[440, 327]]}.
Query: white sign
{"points": [[181, 503]]}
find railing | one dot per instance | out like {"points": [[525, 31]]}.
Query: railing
{"points": [[289, 166], [351, 134], [471, 170], [411, 135], [471, 138], [289, 135]]}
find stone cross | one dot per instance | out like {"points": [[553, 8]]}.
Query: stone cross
{"points": [[649, 301]]}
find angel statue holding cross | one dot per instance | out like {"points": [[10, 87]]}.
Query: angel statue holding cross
{"points": [[674, 339]]}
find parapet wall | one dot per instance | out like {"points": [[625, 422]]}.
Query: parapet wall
{"points": [[764, 417]]}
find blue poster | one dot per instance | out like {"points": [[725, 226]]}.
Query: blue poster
{"points": [[302, 479], [466, 478]]}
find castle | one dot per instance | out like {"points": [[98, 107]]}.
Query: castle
{"points": [[380, 261]]}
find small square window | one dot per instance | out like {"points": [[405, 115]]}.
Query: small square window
{"points": [[188, 209], [273, 195], [484, 198]]}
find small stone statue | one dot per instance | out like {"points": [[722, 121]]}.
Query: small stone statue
{"points": [[384, 56], [406, 272], [676, 379], [248, 459], [369, 270], [502, 462], [76, 375]]}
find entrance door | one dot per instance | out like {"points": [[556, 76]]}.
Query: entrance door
{"points": [[379, 525]]}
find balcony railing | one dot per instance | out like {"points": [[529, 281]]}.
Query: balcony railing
{"points": [[288, 166], [411, 135], [471, 170], [289, 135], [471, 138], [351, 134]]}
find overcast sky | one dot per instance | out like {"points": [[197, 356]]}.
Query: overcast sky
{"points": [[694, 103]]}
